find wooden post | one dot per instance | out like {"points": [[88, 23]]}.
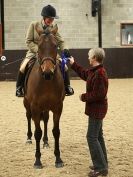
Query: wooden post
{"points": [[99, 24], [1, 26], [0, 30], [0, 39], [96, 9]]}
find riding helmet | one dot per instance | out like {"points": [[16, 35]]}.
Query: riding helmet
{"points": [[49, 11]]}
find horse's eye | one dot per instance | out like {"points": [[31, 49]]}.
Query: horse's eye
{"points": [[55, 45]]}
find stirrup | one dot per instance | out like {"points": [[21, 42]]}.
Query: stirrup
{"points": [[69, 90], [19, 92]]}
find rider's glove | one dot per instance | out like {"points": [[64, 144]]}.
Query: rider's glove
{"points": [[66, 53]]}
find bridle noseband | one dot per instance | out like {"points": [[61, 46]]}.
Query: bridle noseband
{"points": [[41, 61]]}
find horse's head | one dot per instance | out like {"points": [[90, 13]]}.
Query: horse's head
{"points": [[47, 52]]}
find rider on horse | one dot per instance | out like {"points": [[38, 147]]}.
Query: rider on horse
{"points": [[49, 14]]}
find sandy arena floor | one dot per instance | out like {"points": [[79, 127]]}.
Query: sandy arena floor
{"points": [[17, 158]]}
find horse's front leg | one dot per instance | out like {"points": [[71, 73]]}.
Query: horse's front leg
{"points": [[29, 133], [45, 137], [56, 133], [28, 115], [38, 135]]}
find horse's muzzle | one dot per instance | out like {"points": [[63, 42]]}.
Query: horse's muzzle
{"points": [[48, 75]]}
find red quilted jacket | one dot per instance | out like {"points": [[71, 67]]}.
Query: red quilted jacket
{"points": [[96, 90]]}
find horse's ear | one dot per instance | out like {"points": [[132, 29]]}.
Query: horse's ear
{"points": [[47, 31], [38, 29], [55, 29]]}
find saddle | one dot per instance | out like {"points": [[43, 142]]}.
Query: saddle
{"points": [[28, 69]]}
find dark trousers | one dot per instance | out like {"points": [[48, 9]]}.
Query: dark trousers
{"points": [[96, 144]]}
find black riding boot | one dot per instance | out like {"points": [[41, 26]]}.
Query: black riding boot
{"points": [[20, 84], [68, 89]]}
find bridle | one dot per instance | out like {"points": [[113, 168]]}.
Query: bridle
{"points": [[41, 61]]}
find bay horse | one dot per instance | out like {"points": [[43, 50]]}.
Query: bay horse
{"points": [[45, 92]]}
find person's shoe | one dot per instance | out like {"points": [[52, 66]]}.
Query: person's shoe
{"points": [[98, 173], [69, 90], [19, 92]]}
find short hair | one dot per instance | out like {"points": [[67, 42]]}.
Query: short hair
{"points": [[98, 53]]}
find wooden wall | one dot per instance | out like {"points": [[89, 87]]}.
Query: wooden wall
{"points": [[118, 62]]}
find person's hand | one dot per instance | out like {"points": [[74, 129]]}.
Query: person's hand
{"points": [[71, 60], [80, 97], [67, 53]]}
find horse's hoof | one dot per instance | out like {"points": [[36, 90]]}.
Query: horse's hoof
{"points": [[59, 164], [29, 141], [46, 146], [38, 166]]}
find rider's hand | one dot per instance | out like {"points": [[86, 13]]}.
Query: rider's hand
{"points": [[67, 53]]}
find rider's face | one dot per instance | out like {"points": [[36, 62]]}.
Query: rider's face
{"points": [[91, 58], [48, 21]]}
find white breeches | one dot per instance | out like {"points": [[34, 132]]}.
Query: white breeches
{"points": [[23, 64]]}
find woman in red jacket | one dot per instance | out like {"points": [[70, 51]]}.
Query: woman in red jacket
{"points": [[96, 107]]}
